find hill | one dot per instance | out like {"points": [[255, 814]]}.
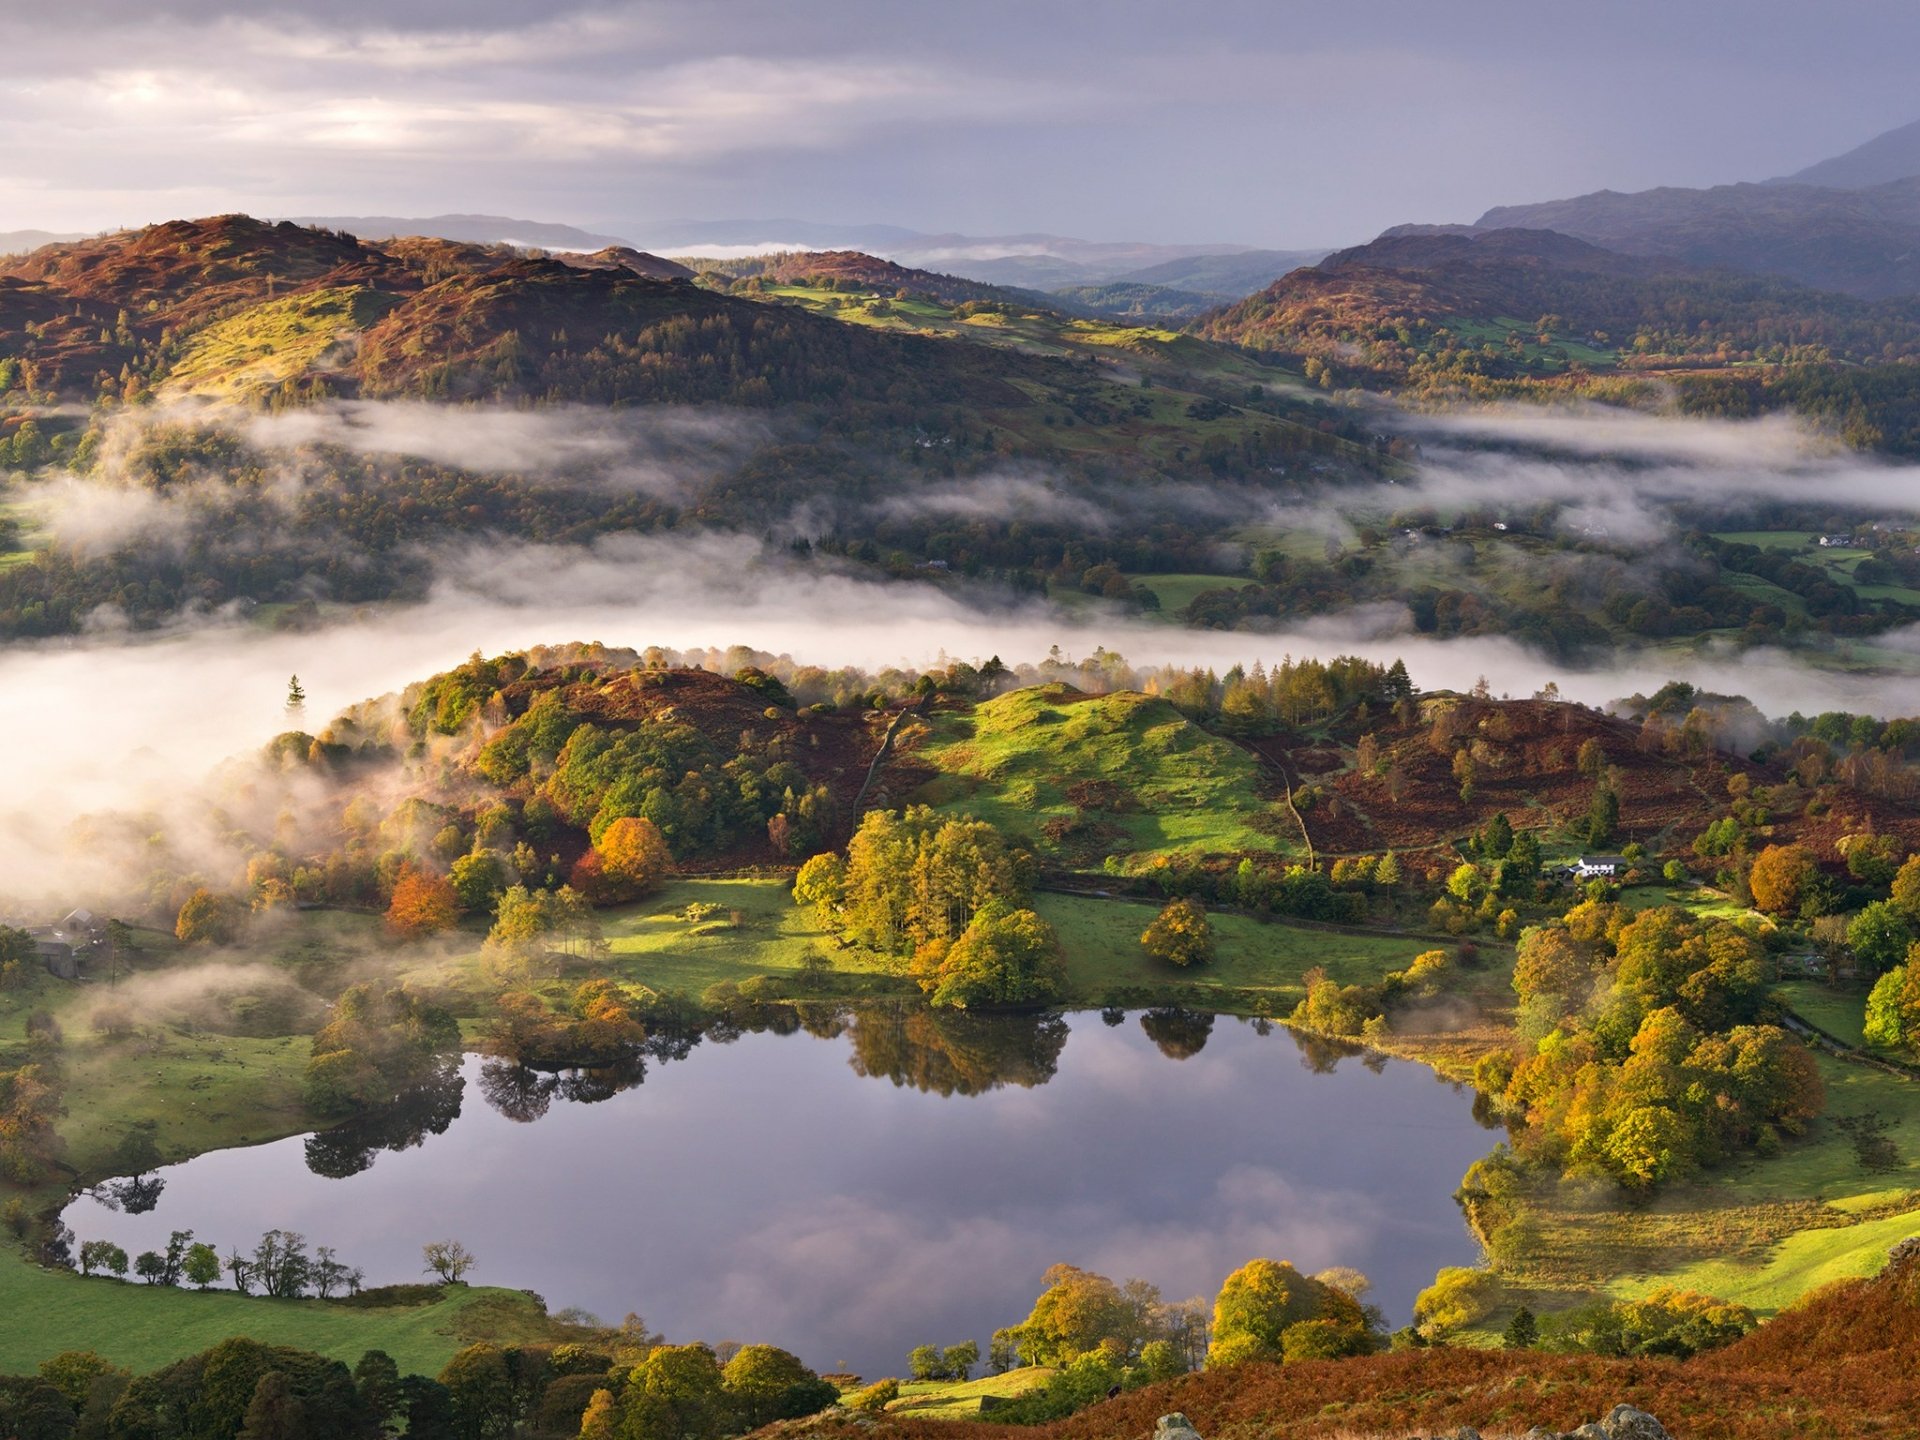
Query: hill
{"points": [[1863, 242], [1520, 303], [477, 229], [1836, 1366], [1228, 276], [1894, 155]]}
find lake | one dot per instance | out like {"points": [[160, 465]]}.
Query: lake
{"points": [[897, 1178]]}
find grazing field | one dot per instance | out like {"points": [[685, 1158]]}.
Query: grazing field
{"points": [[962, 1399], [1085, 777], [1177, 591], [1104, 956], [142, 1327]]}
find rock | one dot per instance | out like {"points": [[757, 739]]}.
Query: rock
{"points": [[1466, 1432], [1540, 1432], [1174, 1427], [1626, 1423], [1592, 1430]]}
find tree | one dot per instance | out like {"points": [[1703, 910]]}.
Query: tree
{"points": [[1180, 934], [1005, 957], [1603, 817], [1879, 937], [102, 1255], [448, 1259], [201, 1265], [926, 1362], [1592, 759], [961, 1359], [600, 1420], [477, 880], [280, 1264], [1262, 1300], [821, 883], [150, 1266], [296, 697], [480, 1392], [1523, 1330], [275, 1412], [676, 1393], [73, 1373], [1906, 889], [1893, 1007], [207, 919], [632, 859], [768, 1383], [1780, 877], [1458, 1296], [423, 904]]}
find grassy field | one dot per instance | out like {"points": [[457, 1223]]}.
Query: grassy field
{"points": [[960, 1400], [1085, 777], [43, 1312], [1102, 943], [760, 931], [1177, 591]]}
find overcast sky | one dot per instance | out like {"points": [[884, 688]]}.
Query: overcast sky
{"points": [[1267, 122]]}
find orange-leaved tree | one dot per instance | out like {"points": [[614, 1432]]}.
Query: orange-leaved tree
{"points": [[423, 904]]}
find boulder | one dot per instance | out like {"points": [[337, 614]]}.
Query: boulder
{"points": [[1624, 1422], [1174, 1427]]}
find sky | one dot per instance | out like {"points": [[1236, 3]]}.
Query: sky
{"points": [[1254, 122]]}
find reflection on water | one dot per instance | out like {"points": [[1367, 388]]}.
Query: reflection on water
{"points": [[751, 1184]]}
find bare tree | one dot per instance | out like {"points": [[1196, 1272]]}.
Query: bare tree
{"points": [[448, 1259]]}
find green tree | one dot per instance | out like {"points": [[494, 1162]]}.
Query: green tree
{"points": [[1906, 889], [1004, 957], [1181, 934], [1260, 1301], [767, 1383], [676, 1393], [275, 1412], [961, 1359], [478, 880], [1879, 937], [201, 1265], [480, 1391], [1603, 817], [1523, 1330]]}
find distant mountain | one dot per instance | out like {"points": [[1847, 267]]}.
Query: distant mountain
{"points": [[1892, 156], [475, 229], [1228, 276], [1860, 242], [1515, 304], [1034, 261], [19, 242]]}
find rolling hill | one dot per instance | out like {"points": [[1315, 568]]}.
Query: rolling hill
{"points": [[1894, 155], [1520, 303]]}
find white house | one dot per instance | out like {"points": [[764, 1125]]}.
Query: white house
{"points": [[1600, 867]]}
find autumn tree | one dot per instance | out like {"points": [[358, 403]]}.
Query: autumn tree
{"points": [[1780, 877], [629, 860], [1181, 934], [1263, 1302], [423, 904], [1005, 957], [207, 919]]}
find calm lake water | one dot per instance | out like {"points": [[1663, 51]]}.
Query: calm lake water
{"points": [[892, 1181]]}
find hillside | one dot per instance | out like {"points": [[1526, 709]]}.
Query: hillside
{"points": [[1517, 303], [1834, 1367], [1863, 242]]}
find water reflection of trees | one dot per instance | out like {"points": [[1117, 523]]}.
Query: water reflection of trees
{"points": [[427, 1109], [949, 1052], [1179, 1034]]}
